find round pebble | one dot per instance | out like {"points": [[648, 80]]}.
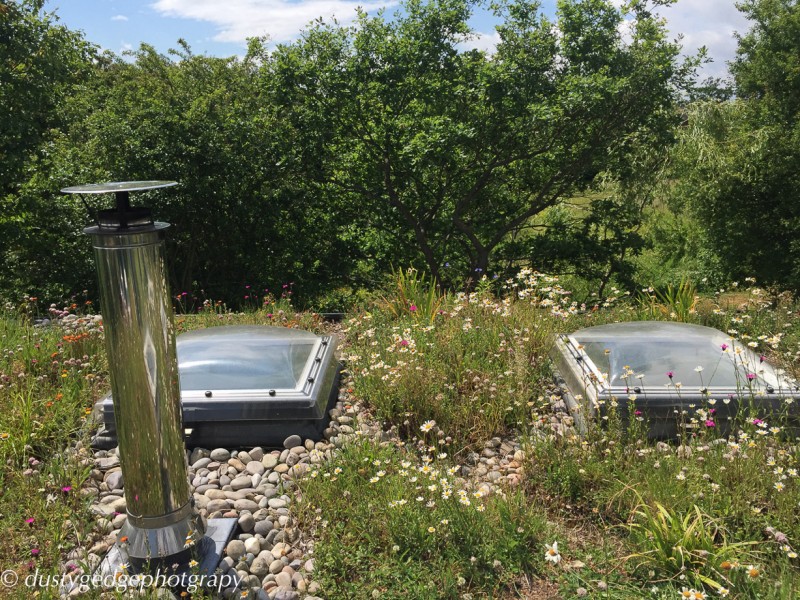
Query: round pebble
{"points": [[259, 567], [292, 442], [235, 549], [220, 455], [246, 522], [255, 467]]}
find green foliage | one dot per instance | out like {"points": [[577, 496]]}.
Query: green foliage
{"points": [[737, 164], [675, 302], [472, 370], [596, 239], [41, 63], [413, 294], [678, 247], [435, 539], [447, 153], [767, 66], [46, 377], [241, 216], [692, 545], [332, 158], [738, 177]]}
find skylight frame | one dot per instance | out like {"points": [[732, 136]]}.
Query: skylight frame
{"points": [[769, 376], [588, 394], [254, 416]]}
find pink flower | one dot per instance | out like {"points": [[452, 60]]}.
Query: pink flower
{"points": [[66, 489], [724, 347], [670, 374], [35, 551], [637, 412], [751, 376], [710, 423], [30, 520], [757, 421], [404, 342], [413, 308], [762, 358]]}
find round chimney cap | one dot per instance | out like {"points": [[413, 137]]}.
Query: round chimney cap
{"points": [[117, 186]]}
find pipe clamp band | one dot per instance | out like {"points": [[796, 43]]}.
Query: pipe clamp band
{"points": [[161, 520]]}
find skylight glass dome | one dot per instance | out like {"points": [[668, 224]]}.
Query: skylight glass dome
{"points": [[245, 358], [665, 368], [249, 385]]}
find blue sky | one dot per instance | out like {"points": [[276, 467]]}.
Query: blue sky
{"points": [[220, 28]]}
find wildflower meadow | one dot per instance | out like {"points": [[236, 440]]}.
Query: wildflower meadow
{"points": [[478, 487]]}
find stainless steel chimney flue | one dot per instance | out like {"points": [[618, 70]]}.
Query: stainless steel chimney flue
{"points": [[140, 342]]}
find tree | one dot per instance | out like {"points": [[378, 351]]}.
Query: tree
{"points": [[447, 152], [40, 64], [241, 222], [739, 161]]}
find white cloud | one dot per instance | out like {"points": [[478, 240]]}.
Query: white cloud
{"points": [[482, 41], [119, 18], [709, 23], [282, 20]]}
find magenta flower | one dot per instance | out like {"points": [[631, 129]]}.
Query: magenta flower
{"points": [[413, 308], [762, 358], [35, 551], [710, 423], [637, 413], [751, 376], [66, 489], [30, 521], [670, 374], [757, 421], [404, 342]]}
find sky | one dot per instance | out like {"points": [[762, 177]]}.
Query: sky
{"points": [[221, 27]]}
